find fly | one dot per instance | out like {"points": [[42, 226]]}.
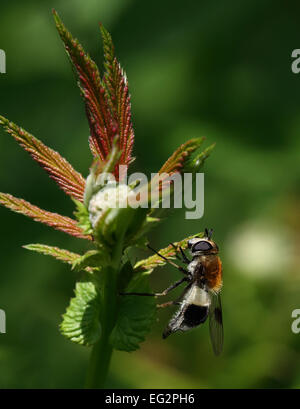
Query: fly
{"points": [[201, 297]]}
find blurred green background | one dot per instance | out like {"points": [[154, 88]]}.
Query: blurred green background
{"points": [[219, 69]]}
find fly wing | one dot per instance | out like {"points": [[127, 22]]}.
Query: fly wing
{"points": [[216, 324]]}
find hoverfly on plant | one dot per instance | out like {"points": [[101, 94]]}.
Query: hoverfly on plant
{"points": [[201, 297]]}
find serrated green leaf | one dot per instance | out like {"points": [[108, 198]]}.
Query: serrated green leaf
{"points": [[81, 321], [93, 259], [136, 315], [60, 254], [82, 216]]}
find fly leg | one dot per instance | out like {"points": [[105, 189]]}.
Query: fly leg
{"points": [[183, 255], [167, 304], [176, 252], [165, 292], [172, 302], [183, 270]]}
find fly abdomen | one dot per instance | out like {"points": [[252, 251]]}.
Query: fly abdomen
{"points": [[192, 312], [195, 315]]}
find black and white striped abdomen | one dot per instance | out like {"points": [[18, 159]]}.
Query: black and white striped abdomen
{"points": [[195, 315], [193, 311]]}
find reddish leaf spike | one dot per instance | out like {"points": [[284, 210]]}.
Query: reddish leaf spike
{"points": [[98, 110], [61, 171], [180, 156], [60, 254], [107, 100], [118, 97], [55, 220]]}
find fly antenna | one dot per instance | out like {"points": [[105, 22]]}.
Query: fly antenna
{"points": [[208, 233]]}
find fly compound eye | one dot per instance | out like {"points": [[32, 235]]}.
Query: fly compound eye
{"points": [[192, 241], [202, 246]]}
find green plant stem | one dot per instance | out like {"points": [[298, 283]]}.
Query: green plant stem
{"points": [[102, 350]]}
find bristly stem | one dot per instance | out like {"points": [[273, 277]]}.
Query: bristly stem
{"points": [[102, 350]]}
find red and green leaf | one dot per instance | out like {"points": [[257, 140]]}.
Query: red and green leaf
{"points": [[61, 171], [93, 93], [106, 100], [55, 220], [63, 255], [181, 161], [66, 256], [118, 97], [176, 162]]}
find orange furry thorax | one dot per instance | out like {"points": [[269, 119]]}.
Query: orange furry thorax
{"points": [[212, 272]]}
